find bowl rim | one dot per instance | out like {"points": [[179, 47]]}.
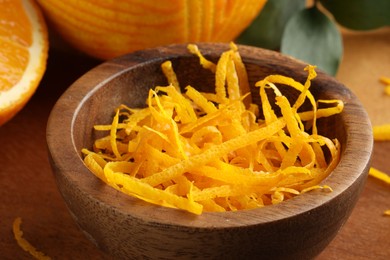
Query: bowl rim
{"points": [[67, 107]]}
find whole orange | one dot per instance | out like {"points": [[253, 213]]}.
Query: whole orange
{"points": [[107, 28]]}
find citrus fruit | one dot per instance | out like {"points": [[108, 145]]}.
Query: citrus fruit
{"points": [[23, 54], [105, 29]]}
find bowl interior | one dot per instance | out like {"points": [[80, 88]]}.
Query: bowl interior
{"points": [[126, 80]]}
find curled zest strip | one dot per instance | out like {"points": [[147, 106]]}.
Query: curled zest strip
{"points": [[24, 244]]}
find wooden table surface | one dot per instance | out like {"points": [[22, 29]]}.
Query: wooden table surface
{"points": [[28, 189]]}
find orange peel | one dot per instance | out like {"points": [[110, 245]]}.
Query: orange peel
{"points": [[24, 244]]}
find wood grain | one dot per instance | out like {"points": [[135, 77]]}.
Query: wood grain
{"points": [[28, 189]]}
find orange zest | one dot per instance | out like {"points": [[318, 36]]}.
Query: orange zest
{"points": [[380, 176], [201, 152], [23, 54], [381, 132], [386, 82], [24, 244]]}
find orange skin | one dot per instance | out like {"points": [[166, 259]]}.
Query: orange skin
{"points": [[105, 30]]}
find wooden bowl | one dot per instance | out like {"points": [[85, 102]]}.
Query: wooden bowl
{"points": [[126, 227]]}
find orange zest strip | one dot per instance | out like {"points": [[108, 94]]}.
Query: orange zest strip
{"points": [[203, 61], [381, 132], [24, 244], [199, 151], [386, 81], [133, 186], [170, 74], [383, 177], [315, 187], [379, 175], [200, 100]]}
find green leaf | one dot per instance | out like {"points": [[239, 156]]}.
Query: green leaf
{"points": [[267, 29], [312, 37], [359, 14]]}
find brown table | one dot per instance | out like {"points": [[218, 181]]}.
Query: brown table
{"points": [[28, 189]]}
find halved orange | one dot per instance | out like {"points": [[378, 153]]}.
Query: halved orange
{"points": [[23, 54]]}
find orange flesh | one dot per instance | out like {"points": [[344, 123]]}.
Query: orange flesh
{"points": [[15, 38]]}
